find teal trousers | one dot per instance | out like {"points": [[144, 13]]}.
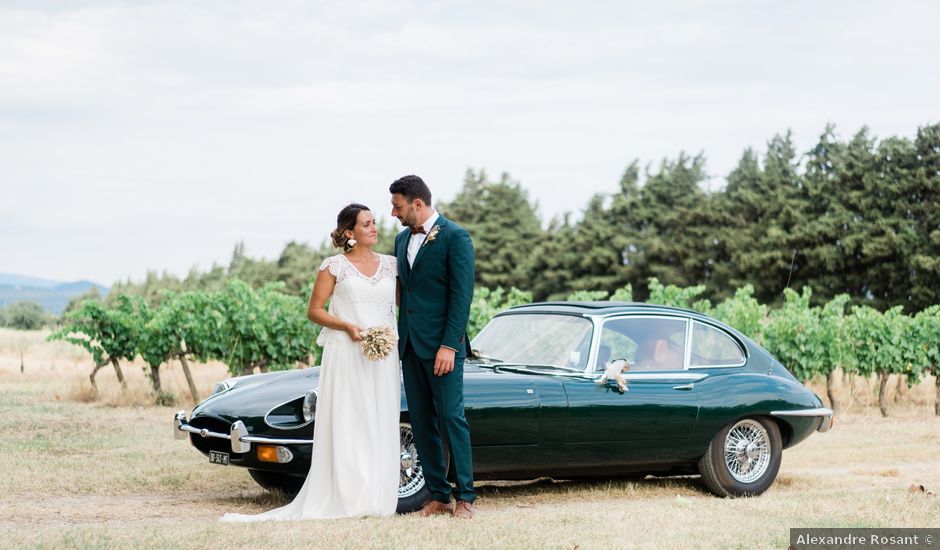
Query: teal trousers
{"points": [[435, 407]]}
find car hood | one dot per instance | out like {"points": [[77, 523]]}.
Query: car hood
{"points": [[255, 395]]}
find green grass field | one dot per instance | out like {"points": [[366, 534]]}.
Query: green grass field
{"points": [[108, 474]]}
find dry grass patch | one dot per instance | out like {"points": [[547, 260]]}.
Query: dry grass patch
{"points": [[62, 370], [856, 394]]}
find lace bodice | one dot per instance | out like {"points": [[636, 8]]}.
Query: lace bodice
{"points": [[365, 301], [341, 268]]}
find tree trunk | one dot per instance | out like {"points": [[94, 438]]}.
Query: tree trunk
{"points": [[881, 394], [98, 367], [261, 365], [936, 402], [120, 374], [155, 378], [189, 379], [830, 383], [899, 393]]}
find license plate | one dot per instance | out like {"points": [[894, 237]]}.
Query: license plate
{"points": [[215, 457]]}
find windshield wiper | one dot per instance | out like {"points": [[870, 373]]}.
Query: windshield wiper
{"points": [[477, 354], [533, 366]]}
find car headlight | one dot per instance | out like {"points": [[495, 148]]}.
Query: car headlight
{"points": [[310, 405]]}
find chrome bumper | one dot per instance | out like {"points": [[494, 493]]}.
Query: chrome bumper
{"points": [[238, 435], [823, 412]]}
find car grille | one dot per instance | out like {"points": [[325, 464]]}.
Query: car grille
{"points": [[206, 444]]}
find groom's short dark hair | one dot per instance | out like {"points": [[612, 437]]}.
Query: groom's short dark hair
{"points": [[411, 187]]}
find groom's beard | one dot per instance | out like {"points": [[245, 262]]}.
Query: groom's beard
{"points": [[409, 220]]}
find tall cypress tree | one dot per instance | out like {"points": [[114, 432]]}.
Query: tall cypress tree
{"points": [[670, 224], [597, 263], [892, 241], [739, 216], [831, 243], [629, 237], [924, 194], [769, 253], [503, 224], [549, 267]]}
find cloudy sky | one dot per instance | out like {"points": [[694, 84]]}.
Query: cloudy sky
{"points": [[144, 135]]}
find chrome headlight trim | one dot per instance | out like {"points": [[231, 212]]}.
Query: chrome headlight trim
{"points": [[224, 386], [308, 411], [310, 405]]}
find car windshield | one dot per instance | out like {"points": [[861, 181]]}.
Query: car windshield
{"points": [[540, 339]]}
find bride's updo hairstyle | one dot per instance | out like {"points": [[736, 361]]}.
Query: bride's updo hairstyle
{"points": [[346, 221]]}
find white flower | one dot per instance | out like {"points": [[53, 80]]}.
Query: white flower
{"points": [[432, 234]]}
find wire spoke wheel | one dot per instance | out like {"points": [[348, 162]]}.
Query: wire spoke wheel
{"points": [[411, 480], [747, 451]]}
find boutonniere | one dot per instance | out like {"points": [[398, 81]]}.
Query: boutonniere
{"points": [[432, 234]]}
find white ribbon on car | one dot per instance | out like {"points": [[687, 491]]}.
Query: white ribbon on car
{"points": [[614, 372]]}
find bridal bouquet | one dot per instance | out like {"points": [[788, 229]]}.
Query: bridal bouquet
{"points": [[378, 342]]}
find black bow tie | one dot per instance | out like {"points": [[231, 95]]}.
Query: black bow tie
{"points": [[416, 230]]}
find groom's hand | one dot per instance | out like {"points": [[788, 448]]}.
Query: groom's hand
{"points": [[444, 362]]}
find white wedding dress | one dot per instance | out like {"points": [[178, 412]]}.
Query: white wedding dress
{"points": [[355, 465]]}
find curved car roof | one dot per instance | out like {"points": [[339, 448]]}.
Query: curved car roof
{"points": [[608, 308], [602, 309]]}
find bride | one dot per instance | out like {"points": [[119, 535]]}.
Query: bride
{"points": [[354, 470]]}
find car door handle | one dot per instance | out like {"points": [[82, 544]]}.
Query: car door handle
{"points": [[684, 387]]}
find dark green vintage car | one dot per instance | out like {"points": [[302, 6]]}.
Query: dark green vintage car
{"points": [[700, 397]]}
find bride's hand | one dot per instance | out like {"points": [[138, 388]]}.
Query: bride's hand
{"points": [[355, 332]]}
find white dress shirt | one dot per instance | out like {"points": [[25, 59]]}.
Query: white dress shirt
{"points": [[417, 239]]}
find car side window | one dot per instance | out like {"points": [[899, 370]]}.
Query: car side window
{"points": [[647, 343], [712, 347]]}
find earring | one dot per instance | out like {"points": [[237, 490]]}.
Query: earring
{"points": [[351, 243]]}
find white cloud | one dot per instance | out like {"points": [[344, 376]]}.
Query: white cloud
{"points": [[168, 130]]}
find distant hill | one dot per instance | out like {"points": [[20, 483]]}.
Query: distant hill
{"points": [[79, 287], [10, 279], [53, 296]]}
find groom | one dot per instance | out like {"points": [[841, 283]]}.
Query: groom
{"points": [[435, 273]]}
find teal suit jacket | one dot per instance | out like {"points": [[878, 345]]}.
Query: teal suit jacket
{"points": [[436, 291]]}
